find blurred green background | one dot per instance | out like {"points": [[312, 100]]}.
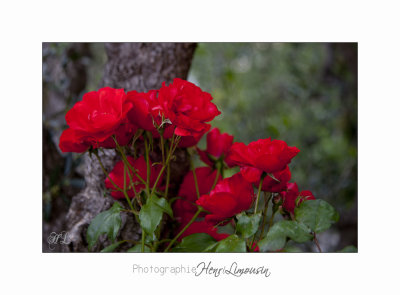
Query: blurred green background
{"points": [[303, 93]]}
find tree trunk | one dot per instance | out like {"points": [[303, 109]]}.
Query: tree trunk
{"points": [[132, 66]]}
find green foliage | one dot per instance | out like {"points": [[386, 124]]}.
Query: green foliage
{"points": [[107, 222], [280, 231], [112, 247], [151, 213], [231, 244], [318, 215], [247, 225], [138, 249], [349, 249], [195, 243]]}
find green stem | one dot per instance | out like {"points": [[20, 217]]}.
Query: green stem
{"points": [[125, 160], [171, 151], [126, 163], [215, 181], [196, 185], [167, 181], [143, 238], [271, 220], [317, 243], [184, 229], [258, 192], [162, 147], [264, 215], [107, 175], [125, 193], [146, 152]]}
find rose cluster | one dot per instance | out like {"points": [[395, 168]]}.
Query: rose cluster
{"points": [[177, 116]]}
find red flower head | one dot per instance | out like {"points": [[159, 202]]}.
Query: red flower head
{"points": [[188, 141], [292, 198], [99, 113], [95, 119], [266, 155], [71, 142], [218, 145], [187, 107], [229, 197], [269, 184], [142, 113], [117, 176]]}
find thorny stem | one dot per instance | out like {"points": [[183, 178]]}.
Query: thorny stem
{"points": [[317, 243], [116, 186], [125, 160], [126, 163], [107, 175], [171, 151], [125, 193]]}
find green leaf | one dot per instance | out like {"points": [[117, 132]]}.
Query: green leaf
{"points": [[248, 225], [138, 249], [151, 213], [280, 231], [195, 243], [349, 249], [164, 205], [112, 247], [211, 248], [231, 244], [316, 214], [107, 222]]}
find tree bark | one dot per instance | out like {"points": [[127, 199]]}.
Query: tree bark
{"points": [[132, 66]]}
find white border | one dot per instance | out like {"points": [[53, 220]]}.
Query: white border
{"points": [[25, 24]]}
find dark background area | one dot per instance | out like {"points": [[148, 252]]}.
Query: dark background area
{"points": [[303, 93]]}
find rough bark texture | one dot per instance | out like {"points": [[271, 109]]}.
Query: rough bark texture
{"points": [[138, 66], [64, 78]]}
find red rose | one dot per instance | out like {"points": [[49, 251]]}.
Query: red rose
{"points": [[201, 227], [292, 195], [142, 113], [229, 197], [269, 184], [71, 142], [99, 114], [264, 154], [187, 107], [218, 146], [117, 176], [188, 141], [95, 119]]}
